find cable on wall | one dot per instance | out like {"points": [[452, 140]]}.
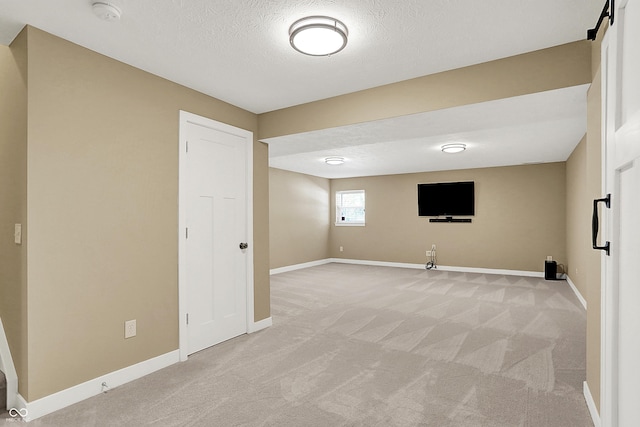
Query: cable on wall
{"points": [[431, 263]]}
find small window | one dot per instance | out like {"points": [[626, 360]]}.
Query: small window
{"points": [[350, 207]]}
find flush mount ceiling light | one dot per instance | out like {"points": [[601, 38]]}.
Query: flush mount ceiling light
{"points": [[318, 35], [334, 160], [454, 148], [106, 11]]}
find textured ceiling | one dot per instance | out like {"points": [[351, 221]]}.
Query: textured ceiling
{"points": [[538, 128], [238, 51]]}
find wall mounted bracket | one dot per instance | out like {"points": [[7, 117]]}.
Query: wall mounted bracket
{"points": [[449, 219]]}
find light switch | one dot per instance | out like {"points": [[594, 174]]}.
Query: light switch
{"points": [[17, 234]]}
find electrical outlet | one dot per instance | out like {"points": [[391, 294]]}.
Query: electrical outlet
{"points": [[429, 253], [130, 328], [341, 248], [549, 258]]}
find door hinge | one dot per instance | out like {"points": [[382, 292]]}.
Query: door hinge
{"points": [[187, 146], [187, 318], [186, 233]]}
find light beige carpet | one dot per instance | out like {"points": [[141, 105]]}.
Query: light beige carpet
{"points": [[374, 346]]}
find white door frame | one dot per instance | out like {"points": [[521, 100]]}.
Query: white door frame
{"points": [[187, 118], [609, 305]]}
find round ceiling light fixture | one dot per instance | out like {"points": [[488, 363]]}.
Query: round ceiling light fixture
{"points": [[106, 11], [334, 160], [454, 148], [318, 35]]}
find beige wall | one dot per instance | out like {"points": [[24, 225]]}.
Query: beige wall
{"points": [[584, 184], [261, 288], [547, 69], [13, 200], [299, 212], [102, 208], [520, 218], [578, 218]]}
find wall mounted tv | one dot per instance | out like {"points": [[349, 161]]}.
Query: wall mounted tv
{"points": [[446, 199]]}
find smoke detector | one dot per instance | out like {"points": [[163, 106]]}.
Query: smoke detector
{"points": [[106, 11]]}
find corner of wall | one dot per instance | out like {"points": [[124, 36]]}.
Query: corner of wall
{"points": [[13, 199]]}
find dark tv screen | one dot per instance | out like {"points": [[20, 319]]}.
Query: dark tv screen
{"points": [[446, 199]]}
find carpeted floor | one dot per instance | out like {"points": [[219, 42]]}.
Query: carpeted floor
{"points": [[359, 345]]}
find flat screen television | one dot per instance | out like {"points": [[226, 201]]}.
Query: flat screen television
{"points": [[446, 199]]}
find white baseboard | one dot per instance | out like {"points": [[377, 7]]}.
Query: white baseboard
{"points": [[503, 272], [591, 405], [440, 267], [75, 394], [406, 265], [9, 369], [377, 263], [259, 325], [298, 266], [577, 292]]}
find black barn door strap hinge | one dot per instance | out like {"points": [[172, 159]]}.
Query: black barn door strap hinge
{"points": [[607, 11]]}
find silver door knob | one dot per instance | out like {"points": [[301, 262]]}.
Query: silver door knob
{"points": [[244, 245]]}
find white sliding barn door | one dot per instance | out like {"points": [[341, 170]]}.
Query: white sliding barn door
{"points": [[620, 393]]}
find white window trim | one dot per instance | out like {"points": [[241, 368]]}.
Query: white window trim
{"points": [[349, 224]]}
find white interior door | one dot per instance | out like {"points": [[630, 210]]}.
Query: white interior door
{"points": [[214, 197], [621, 270]]}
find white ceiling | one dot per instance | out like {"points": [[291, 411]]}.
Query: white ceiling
{"points": [[538, 128], [238, 51]]}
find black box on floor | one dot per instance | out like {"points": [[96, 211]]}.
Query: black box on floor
{"points": [[550, 270]]}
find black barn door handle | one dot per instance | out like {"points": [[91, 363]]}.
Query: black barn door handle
{"points": [[595, 224]]}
